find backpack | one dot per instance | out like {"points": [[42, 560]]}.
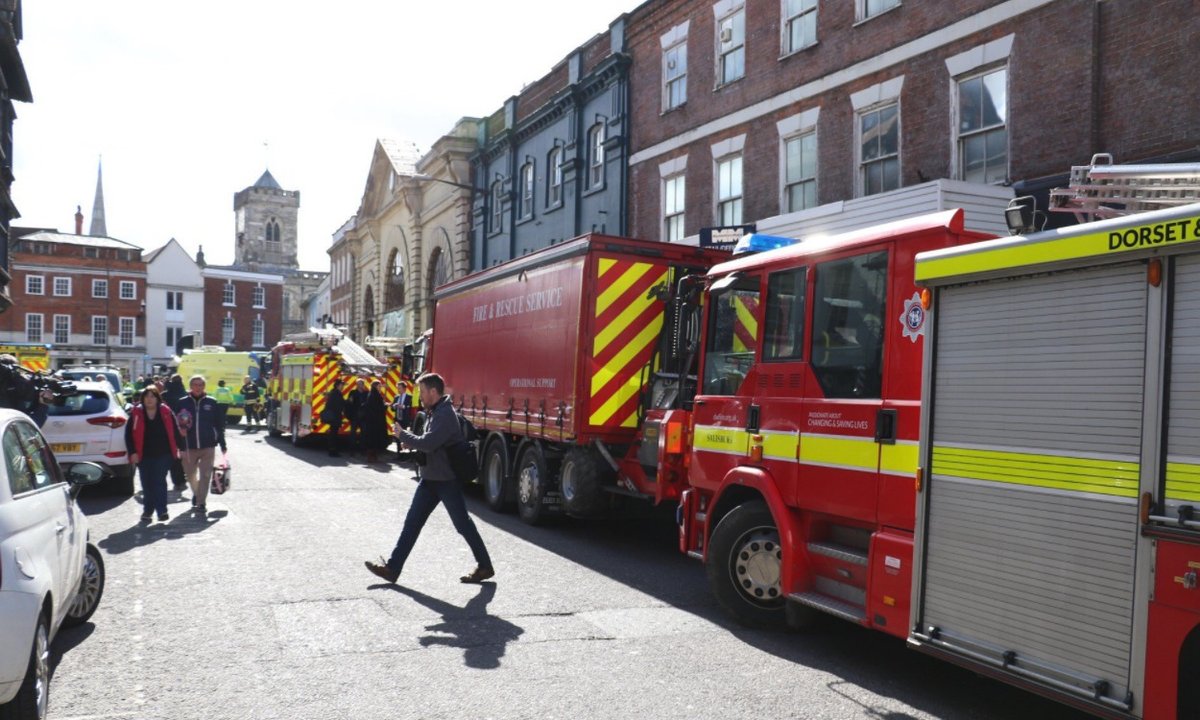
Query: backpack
{"points": [[461, 453]]}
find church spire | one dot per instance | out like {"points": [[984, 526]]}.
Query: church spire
{"points": [[98, 226]]}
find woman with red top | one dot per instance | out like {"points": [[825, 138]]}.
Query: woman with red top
{"points": [[150, 439]]}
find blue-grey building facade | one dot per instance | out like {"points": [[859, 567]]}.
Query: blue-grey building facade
{"points": [[553, 162]]}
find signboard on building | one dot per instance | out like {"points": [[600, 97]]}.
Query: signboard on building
{"points": [[724, 237]]}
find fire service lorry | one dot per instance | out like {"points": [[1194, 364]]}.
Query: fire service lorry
{"points": [[573, 364], [1057, 541], [302, 370]]}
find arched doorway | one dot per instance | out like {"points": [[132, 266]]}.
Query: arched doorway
{"points": [[394, 292], [369, 311], [439, 270]]}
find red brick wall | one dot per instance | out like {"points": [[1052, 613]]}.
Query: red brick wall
{"points": [[243, 313]]}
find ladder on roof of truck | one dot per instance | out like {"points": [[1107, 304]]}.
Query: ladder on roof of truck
{"points": [[1104, 190]]}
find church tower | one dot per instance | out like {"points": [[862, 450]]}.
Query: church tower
{"points": [[265, 226]]}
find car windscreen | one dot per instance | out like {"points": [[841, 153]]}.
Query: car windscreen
{"points": [[87, 402], [113, 379]]}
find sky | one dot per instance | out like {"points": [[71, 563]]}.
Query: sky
{"points": [[188, 103]]}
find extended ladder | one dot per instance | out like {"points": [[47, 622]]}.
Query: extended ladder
{"points": [[1104, 190]]}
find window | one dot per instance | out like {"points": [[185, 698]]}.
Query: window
{"points": [[227, 296], [272, 230], [982, 130], [99, 288], [731, 47], [227, 331], [260, 296], [555, 186], [99, 330], [91, 252], [800, 172], [20, 479], [675, 76], [173, 336], [62, 287], [62, 329], [35, 285], [174, 300], [870, 8], [784, 339], [729, 191], [126, 328], [497, 206], [128, 290], [879, 149], [799, 25], [526, 208], [258, 330], [30, 463], [732, 337], [596, 155], [33, 327], [674, 193], [848, 323]]}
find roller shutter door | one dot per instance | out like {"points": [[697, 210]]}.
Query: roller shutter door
{"points": [[1183, 408], [1033, 479]]}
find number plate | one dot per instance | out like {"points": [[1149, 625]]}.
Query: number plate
{"points": [[66, 448]]}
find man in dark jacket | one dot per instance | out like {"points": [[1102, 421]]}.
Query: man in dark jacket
{"points": [[438, 484], [332, 415], [172, 393], [199, 419], [354, 408]]}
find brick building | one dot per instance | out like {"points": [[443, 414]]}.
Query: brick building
{"points": [[801, 115], [85, 296], [341, 276], [241, 309]]}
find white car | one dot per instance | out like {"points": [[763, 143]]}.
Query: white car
{"points": [[90, 427], [50, 575]]}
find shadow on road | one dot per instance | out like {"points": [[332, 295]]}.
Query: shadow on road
{"points": [[483, 638], [67, 639], [142, 533]]}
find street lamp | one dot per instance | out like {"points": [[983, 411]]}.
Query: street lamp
{"points": [[451, 183]]}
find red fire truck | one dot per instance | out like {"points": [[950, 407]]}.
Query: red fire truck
{"points": [[559, 358]]}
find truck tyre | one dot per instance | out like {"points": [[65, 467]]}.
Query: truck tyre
{"points": [[580, 480], [33, 696], [493, 475], [91, 589], [744, 564], [532, 480]]}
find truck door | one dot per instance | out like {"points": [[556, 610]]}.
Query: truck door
{"points": [[839, 453], [721, 407]]}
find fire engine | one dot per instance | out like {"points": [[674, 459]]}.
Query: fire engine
{"points": [[1057, 543], [31, 356], [303, 368], [579, 339]]}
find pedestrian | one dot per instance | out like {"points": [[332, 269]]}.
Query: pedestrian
{"points": [[150, 436], [172, 392], [332, 415], [200, 424], [437, 484], [374, 423], [224, 398], [250, 400], [354, 407]]}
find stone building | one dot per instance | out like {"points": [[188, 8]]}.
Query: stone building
{"points": [[14, 85]]}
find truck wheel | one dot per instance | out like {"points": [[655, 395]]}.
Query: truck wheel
{"points": [[532, 479], [91, 589], [580, 478], [497, 484], [33, 696], [744, 564]]}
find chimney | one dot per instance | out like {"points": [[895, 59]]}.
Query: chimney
{"points": [[200, 257], [78, 220]]}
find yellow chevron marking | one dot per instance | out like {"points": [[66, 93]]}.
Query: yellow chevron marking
{"points": [[636, 307], [620, 285], [604, 266], [619, 362]]}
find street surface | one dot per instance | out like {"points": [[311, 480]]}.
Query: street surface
{"points": [[265, 611]]}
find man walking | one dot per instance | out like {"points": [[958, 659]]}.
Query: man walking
{"points": [[354, 411], [438, 484], [199, 420], [250, 402]]}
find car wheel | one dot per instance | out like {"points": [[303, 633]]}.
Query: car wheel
{"points": [[91, 589], [497, 485], [33, 696]]}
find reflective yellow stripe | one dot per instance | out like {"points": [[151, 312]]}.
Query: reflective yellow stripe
{"points": [[1014, 253], [780, 445], [899, 459], [860, 453], [714, 438], [1105, 477], [1183, 481]]}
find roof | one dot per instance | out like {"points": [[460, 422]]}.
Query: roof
{"points": [[85, 240], [267, 180], [403, 155]]}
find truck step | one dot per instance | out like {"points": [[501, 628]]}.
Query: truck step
{"points": [[845, 553], [618, 490], [831, 605]]}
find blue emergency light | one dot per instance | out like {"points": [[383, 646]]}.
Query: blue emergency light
{"points": [[757, 242]]}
